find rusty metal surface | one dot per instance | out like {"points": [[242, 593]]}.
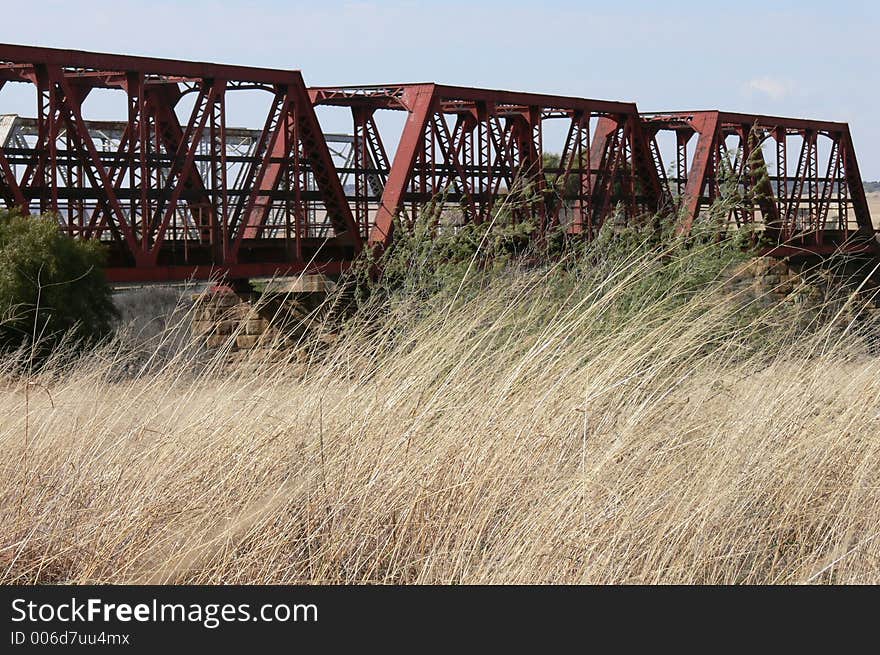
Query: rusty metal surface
{"points": [[171, 198], [798, 179], [175, 192], [482, 150]]}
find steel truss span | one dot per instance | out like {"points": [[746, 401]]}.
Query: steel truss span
{"points": [[175, 190], [171, 198], [479, 150], [798, 180]]}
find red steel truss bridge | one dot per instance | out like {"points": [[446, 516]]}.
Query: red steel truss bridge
{"points": [[176, 191]]}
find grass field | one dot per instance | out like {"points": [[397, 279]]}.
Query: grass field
{"points": [[516, 429], [874, 207]]}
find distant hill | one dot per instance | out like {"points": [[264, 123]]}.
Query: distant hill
{"points": [[870, 187]]}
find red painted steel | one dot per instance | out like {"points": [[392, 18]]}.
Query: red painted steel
{"points": [[164, 200], [808, 199], [482, 151], [173, 194]]}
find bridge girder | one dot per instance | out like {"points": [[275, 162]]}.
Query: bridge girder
{"points": [[175, 192]]}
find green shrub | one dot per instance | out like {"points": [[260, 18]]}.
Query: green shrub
{"points": [[433, 253], [51, 286]]}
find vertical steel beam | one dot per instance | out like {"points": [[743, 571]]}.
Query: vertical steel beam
{"points": [[702, 172], [854, 184], [420, 99]]}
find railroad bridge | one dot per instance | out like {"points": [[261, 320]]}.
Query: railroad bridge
{"points": [[176, 191]]}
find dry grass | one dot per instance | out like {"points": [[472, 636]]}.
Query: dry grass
{"points": [[504, 437], [874, 207]]}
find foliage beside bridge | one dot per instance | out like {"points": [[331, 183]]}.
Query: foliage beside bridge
{"points": [[51, 287]]}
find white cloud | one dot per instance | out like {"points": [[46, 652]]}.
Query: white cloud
{"points": [[771, 87]]}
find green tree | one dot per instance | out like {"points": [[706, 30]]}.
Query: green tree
{"points": [[51, 286]]}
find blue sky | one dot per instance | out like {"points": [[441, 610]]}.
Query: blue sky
{"points": [[811, 59]]}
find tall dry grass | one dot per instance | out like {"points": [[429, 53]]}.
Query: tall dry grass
{"points": [[513, 430]]}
